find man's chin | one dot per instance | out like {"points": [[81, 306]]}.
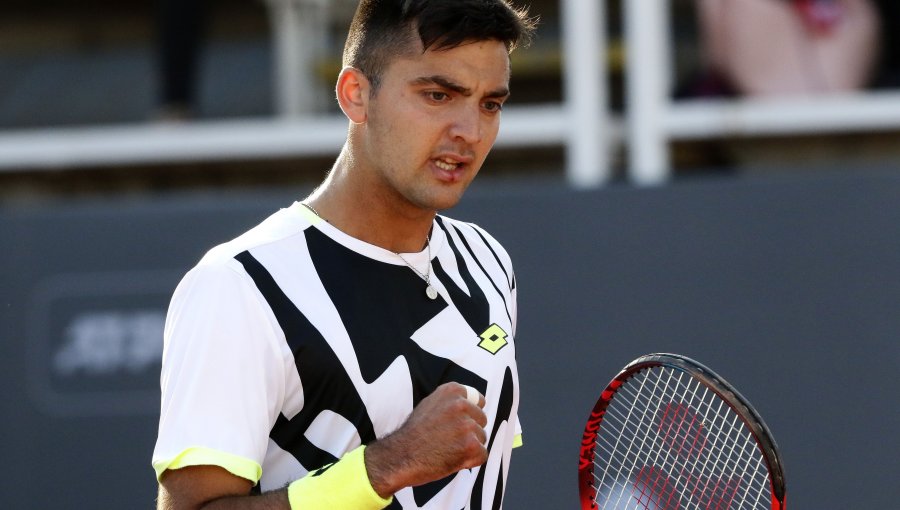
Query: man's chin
{"points": [[447, 199]]}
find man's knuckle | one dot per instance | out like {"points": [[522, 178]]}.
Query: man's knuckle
{"points": [[459, 406], [474, 447]]}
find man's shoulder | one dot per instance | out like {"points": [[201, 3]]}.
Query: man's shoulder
{"points": [[279, 226], [476, 237]]}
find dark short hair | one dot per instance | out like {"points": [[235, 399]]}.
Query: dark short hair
{"points": [[382, 29]]}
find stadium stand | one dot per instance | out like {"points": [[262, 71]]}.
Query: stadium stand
{"points": [[78, 81]]}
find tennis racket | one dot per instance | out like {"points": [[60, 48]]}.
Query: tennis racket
{"points": [[669, 434]]}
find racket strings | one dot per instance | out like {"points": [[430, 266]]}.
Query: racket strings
{"points": [[661, 484], [630, 452], [668, 442], [669, 451], [644, 431], [647, 431]]}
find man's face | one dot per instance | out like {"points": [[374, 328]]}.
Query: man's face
{"points": [[433, 121]]}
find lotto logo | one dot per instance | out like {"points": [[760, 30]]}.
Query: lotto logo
{"points": [[493, 339]]}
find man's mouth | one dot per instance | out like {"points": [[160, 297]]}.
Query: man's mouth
{"points": [[446, 164]]}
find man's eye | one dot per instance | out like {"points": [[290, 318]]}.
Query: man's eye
{"points": [[438, 96], [493, 106]]}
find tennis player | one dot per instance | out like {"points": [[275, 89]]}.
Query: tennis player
{"points": [[356, 349]]}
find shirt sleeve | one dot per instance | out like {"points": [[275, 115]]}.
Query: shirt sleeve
{"points": [[517, 437], [222, 374]]}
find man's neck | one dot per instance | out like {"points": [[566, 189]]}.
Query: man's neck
{"points": [[348, 203]]}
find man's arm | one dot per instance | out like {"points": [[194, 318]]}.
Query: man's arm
{"points": [[212, 487], [444, 434]]}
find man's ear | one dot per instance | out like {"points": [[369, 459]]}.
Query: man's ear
{"points": [[353, 90]]}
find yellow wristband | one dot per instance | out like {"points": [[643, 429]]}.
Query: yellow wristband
{"points": [[342, 485]]}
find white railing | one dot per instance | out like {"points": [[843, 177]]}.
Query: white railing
{"points": [[67, 148], [582, 123]]}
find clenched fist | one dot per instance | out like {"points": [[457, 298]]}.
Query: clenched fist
{"points": [[444, 434]]}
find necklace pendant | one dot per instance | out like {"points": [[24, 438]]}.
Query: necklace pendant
{"points": [[431, 292]]}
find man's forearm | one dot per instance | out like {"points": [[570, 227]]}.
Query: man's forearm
{"points": [[274, 500]]}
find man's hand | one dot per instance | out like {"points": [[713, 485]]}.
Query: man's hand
{"points": [[444, 434]]}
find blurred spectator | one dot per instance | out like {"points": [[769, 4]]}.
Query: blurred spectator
{"points": [[889, 75], [772, 47], [180, 29]]}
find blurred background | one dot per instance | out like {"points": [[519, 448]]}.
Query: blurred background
{"points": [[719, 178]]}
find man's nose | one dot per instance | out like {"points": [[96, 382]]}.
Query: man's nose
{"points": [[467, 126]]}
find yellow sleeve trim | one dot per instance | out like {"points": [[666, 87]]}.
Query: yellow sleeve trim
{"points": [[517, 441], [344, 484], [200, 456]]}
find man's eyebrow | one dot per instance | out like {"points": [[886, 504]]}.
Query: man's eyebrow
{"points": [[498, 93], [444, 82], [449, 84]]}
